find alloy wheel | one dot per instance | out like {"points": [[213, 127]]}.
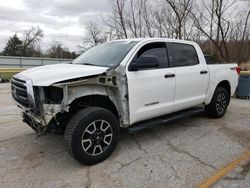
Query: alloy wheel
{"points": [[97, 137]]}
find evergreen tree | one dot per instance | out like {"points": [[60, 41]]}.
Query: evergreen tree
{"points": [[13, 47]]}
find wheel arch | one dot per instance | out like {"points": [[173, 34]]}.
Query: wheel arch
{"points": [[94, 100], [224, 84]]}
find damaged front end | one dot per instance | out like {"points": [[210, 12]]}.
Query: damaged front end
{"points": [[39, 104], [44, 121], [48, 109]]}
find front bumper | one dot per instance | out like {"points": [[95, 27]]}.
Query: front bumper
{"points": [[33, 123], [44, 122]]}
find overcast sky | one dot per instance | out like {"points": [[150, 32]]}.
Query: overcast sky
{"points": [[61, 20]]}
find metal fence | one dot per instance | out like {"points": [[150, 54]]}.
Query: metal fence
{"points": [[29, 62]]}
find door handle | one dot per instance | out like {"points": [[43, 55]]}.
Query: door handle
{"points": [[204, 72], [169, 75]]}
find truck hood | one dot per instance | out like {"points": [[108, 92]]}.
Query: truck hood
{"points": [[50, 74]]}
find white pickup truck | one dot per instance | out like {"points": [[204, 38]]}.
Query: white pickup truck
{"points": [[132, 83]]}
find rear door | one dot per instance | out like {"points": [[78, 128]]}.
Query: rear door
{"points": [[192, 77], [151, 90]]}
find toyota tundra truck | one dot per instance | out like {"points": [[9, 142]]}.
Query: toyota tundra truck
{"points": [[132, 84]]}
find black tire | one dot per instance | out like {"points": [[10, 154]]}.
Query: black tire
{"points": [[84, 135], [219, 103]]}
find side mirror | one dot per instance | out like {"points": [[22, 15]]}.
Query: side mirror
{"points": [[145, 62]]}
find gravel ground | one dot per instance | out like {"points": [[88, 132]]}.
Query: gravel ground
{"points": [[180, 154]]}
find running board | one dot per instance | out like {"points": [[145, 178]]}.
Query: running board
{"points": [[151, 123]]}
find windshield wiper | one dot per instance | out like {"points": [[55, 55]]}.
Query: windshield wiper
{"points": [[88, 64]]}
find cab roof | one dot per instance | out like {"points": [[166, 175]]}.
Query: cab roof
{"points": [[155, 39]]}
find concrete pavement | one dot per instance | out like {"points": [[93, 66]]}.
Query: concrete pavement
{"points": [[180, 154]]}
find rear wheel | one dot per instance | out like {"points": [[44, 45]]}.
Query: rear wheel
{"points": [[219, 103], [92, 135]]}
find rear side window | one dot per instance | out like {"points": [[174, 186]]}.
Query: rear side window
{"points": [[211, 60], [157, 50], [185, 55]]}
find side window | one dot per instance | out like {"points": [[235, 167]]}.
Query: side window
{"points": [[185, 55], [211, 60], [157, 50]]}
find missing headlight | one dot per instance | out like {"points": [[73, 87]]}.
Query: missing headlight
{"points": [[54, 95]]}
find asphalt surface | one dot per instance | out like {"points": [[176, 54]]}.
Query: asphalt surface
{"points": [[180, 154]]}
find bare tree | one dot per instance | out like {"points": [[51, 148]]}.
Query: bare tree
{"points": [[239, 43], [147, 13], [94, 34], [31, 38], [223, 25], [118, 8], [181, 9], [134, 18], [159, 22], [56, 50], [165, 21], [131, 18], [245, 36], [215, 23]]}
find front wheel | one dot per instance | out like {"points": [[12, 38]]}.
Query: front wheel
{"points": [[92, 135], [219, 103]]}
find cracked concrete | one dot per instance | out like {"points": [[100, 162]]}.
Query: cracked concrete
{"points": [[140, 147], [180, 154], [123, 165], [175, 148], [88, 183]]}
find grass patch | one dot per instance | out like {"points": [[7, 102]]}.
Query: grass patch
{"points": [[8, 75]]}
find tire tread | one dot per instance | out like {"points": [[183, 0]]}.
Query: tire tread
{"points": [[72, 126], [210, 109]]}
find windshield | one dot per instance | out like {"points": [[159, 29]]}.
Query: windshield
{"points": [[109, 54]]}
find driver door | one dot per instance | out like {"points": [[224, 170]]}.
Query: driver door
{"points": [[151, 90]]}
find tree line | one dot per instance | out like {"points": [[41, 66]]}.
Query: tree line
{"points": [[29, 46], [216, 25]]}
